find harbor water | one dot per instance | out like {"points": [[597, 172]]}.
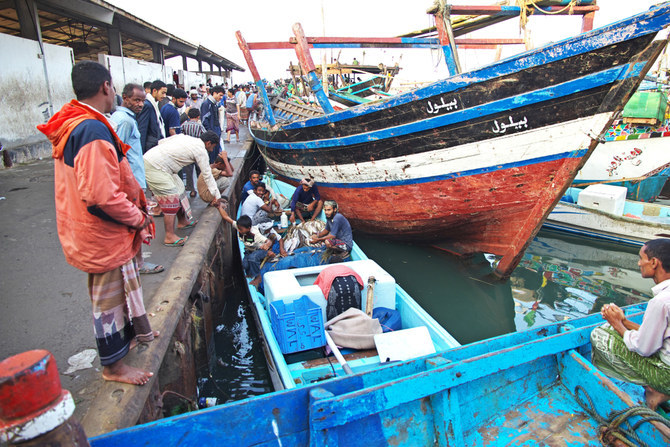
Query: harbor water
{"points": [[560, 277]]}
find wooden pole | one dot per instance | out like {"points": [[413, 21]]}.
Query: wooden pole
{"points": [[257, 78], [446, 37], [369, 302], [305, 58]]}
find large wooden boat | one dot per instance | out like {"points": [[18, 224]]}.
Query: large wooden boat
{"points": [[515, 389], [479, 159]]}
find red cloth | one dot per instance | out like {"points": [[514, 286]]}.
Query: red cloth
{"points": [[328, 275], [97, 180]]}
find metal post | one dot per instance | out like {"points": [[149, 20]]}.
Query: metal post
{"points": [[257, 78], [302, 50]]}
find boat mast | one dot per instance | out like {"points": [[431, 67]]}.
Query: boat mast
{"points": [[445, 34], [307, 64], [257, 78]]}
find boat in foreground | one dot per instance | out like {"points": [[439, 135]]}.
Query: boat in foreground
{"points": [[632, 223], [476, 160], [515, 389], [284, 291]]}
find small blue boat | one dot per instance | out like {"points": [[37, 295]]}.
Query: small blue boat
{"points": [[283, 288], [528, 388]]}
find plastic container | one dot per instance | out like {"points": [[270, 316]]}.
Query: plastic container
{"points": [[298, 326], [289, 285], [284, 220], [646, 105], [607, 198]]}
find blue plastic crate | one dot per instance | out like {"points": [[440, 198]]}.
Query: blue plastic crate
{"points": [[298, 326]]}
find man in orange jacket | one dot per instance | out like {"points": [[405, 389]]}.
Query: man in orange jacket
{"points": [[100, 211]]}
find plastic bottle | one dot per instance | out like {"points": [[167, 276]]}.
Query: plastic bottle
{"points": [[284, 220]]}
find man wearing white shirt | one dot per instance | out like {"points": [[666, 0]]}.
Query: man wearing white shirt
{"points": [[161, 165], [640, 353], [257, 207]]}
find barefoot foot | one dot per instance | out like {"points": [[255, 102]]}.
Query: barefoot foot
{"points": [[256, 281], [654, 398], [120, 372], [144, 338]]}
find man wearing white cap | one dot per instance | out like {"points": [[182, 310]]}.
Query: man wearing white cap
{"points": [[306, 202]]}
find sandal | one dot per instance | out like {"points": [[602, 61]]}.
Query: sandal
{"points": [[178, 243], [149, 268], [191, 224]]}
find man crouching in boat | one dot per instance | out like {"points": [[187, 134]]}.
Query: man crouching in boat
{"points": [[337, 234], [256, 246], [306, 201], [640, 353]]}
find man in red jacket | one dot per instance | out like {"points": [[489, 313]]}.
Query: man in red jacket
{"points": [[100, 211]]}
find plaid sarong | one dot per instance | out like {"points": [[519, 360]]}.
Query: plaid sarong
{"points": [[168, 190], [611, 356], [118, 311]]}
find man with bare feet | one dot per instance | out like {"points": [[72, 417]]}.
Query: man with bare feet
{"points": [[640, 353], [101, 217]]}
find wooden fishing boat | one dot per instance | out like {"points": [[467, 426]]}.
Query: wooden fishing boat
{"points": [[637, 223], [476, 160], [299, 369], [633, 154], [515, 389]]}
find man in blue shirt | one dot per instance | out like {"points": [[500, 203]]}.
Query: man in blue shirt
{"points": [[337, 234], [209, 115], [306, 202], [126, 119], [170, 112], [149, 120], [248, 188]]}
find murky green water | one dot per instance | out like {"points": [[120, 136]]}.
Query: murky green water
{"points": [[559, 278]]}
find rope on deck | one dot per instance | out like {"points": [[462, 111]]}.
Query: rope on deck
{"points": [[613, 428]]}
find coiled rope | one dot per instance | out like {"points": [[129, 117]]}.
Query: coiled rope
{"points": [[613, 428]]}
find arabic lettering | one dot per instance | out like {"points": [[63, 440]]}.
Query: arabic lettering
{"points": [[436, 107], [503, 126], [617, 160]]}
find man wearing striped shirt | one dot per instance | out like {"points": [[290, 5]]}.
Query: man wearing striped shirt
{"points": [[193, 128]]}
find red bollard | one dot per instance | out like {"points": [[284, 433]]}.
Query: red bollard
{"points": [[34, 409]]}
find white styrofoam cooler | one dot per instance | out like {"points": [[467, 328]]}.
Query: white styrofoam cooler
{"points": [[289, 285], [607, 198]]}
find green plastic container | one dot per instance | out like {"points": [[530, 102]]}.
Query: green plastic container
{"points": [[647, 105]]}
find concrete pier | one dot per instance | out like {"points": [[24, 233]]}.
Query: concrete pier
{"points": [[45, 304]]}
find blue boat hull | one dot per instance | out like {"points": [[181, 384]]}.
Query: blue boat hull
{"points": [[511, 389]]}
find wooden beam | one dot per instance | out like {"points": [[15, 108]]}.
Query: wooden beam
{"points": [[257, 77]]}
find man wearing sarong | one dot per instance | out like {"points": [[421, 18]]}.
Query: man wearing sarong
{"points": [[100, 212], [232, 116], [640, 353], [337, 235], [162, 165]]}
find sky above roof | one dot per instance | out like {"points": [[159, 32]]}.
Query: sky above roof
{"points": [[213, 25]]}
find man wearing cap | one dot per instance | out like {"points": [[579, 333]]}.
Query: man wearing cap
{"points": [[306, 202], [193, 101]]}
